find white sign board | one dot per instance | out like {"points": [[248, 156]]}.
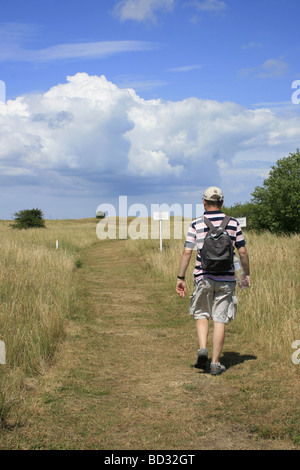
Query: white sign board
{"points": [[160, 215], [242, 221]]}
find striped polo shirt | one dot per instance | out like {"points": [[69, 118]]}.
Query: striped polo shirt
{"points": [[195, 238]]}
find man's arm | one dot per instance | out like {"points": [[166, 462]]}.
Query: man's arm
{"points": [[243, 254], [183, 265]]}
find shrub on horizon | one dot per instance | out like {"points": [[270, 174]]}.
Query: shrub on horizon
{"points": [[28, 218]]}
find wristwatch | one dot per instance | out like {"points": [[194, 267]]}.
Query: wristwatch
{"points": [[181, 278]]}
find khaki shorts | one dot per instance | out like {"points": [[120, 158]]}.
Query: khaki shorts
{"points": [[213, 300]]}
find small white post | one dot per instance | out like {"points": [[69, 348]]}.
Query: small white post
{"points": [[57, 244], [2, 353], [160, 234], [160, 216]]}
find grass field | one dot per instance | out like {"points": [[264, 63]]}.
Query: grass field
{"points": [[42, 292]]}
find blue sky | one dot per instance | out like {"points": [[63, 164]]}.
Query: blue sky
{"points": [[163, 98]]}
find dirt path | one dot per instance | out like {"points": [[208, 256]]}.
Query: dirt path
{"points": [[123, 377]]}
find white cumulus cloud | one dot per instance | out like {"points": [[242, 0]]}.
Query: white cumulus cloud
{"points": [[89, 136]]}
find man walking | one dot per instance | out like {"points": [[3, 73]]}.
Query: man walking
{"points": [[214, 292]]}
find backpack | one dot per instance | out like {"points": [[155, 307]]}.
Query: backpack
{"points": [[217, 251]]}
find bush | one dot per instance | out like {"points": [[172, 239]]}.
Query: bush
{"points": [[275, 205], [247, 210], [277, 201], [28, 219], [100, 215]]}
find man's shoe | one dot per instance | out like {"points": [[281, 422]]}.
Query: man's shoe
{"points": [[217, 369], [202, 358]]}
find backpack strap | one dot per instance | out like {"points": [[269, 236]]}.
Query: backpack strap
{"points": [[224, 223], [208, 223]]}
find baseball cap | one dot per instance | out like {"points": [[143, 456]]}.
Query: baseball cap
{"points": [[213, 194]]}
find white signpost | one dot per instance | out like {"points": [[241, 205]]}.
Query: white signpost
{"points": [[2, 353], [242, 221], [160, 216]]}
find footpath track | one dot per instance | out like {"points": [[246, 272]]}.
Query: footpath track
{"points": [[123, 377]]}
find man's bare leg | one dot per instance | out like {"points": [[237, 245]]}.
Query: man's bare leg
{"points": [[202, 332], [218, 341]]}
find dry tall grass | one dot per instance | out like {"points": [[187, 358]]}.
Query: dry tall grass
{"points": [[268, 312], [36, 293]]}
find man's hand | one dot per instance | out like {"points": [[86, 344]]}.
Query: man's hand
{"points": [[244, 257], [184, 262], [181, 288]]}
